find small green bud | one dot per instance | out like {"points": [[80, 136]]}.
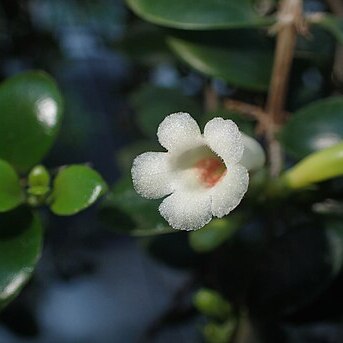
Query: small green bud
{"points": [[38, 181], [211, 304]]}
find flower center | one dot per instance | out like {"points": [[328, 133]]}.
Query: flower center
{"points": [[211, 170]]}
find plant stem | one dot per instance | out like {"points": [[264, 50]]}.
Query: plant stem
{"points": [[248, 110], [289, 17]]}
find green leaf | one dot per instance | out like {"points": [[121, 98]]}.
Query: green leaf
{"points": [[314, 127], [31, 113], [214, 234], [199, 15], [318, 50], [319, 166], [333, 25], [153, 104], [124, 211], [75, 188], [245, 62], [10, 190], [20, 248]]}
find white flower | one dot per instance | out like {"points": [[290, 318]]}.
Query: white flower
{"points": [[201, 174]]}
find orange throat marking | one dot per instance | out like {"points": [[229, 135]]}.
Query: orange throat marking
{"points": [[211, 170]]}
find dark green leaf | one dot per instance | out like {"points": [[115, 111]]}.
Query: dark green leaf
{"points": [[20, 248], [314, 127], [318, 49], [31, 113], [199, 15], [10, 190], [244, 62], [76, 188], [153, 104], [127, 212], [332, 24]]}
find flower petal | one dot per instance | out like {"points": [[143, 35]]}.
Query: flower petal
{"points": [[253, 157], [179, 131], [151, 175], [224, 138], [228, 193], [187, 210]]}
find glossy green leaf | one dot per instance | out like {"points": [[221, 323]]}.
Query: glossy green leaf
{"points": [[314, 127], [317, 167], [124, 211], [245, 62], [31, 113], [20, 248], [215, 233], [75, 188], [10, 190], [332, 24], [153, 104], [199, 15]]}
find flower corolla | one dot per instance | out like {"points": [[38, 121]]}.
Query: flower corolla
{"points": [[200, 175]]}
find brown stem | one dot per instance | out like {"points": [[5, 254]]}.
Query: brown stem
{"points": [[286, 38], [251, 111], [289, 20]]}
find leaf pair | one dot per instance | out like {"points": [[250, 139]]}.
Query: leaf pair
{"points": [[31, 112]]}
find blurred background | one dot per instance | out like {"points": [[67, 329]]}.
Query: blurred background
{"points": [[91, 285], [94, 285]]}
